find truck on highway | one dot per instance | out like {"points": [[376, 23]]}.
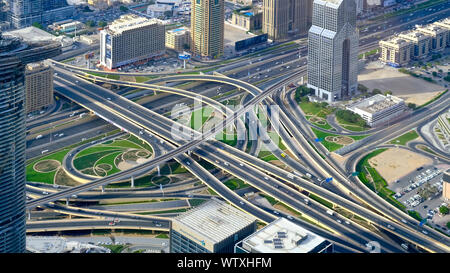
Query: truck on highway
{"points": [[39, 136], [308, 175], [330, 212]]}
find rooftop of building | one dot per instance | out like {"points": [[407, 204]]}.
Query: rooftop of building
{"points": [[395, 41], [327, 2], [130, 21], [432, 28], [444, 22], [414, 35], [215, 220], [178, 31], [53, 244], [32, 34], [376, 103], [282, 236], [36, 66]]}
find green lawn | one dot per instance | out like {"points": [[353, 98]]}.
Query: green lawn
{"points": [[204, 113], [405, 138], [321, 200], [32, 175], [162, 236], [109, 159], [88, 161], [325, 126], [235, 184], [331, 146], [94, 149], [196, 202], [315, 109], [227, 138], [350, 126], [271, 200]]}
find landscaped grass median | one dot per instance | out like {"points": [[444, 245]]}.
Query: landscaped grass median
{"points": [[405, 138], [378, 184], [333, 146], [234, 184]]}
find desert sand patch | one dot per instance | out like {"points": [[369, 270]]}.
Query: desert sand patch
{"points": [[412, 90], [393, 164]]}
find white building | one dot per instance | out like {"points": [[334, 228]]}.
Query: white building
{"points": [[378, 109], [284, 236], [52, 244], [130, 39], [213, 227]]}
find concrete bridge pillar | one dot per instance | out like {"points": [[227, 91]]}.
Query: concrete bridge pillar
{"points": [[67, 201], [29, 214], [103, 188], [159, 171], [132, 181]]}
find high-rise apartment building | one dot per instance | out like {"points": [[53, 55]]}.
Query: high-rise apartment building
{"points": [[207, 28], [177, 39], [39, 86], [24, 13], [446, 185], [12, 149], [212, 227], [130, 39], [333, 49], [396, 51], [282, 17]]}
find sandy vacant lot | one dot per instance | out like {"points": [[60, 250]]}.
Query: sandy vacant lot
{"points": [[395, 163], [414, 90]]}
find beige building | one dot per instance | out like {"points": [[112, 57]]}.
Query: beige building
{"points": [[100, 4], [39, 86], [420, 44], [283, 17], [446, 185], [396, 51], [439, 36], [242, 2], [177, 39], [247, 19], [130, 39], [207, 28], [445, 23]]}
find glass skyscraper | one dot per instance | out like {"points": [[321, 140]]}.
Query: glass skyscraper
{"points": [[12, 149], [24, 13], [333, 49]]}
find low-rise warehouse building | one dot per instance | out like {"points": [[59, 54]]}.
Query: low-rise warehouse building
{"points": [[284, 236], [378, 109]]}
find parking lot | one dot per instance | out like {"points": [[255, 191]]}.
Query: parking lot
{"points": [[421, 190]]}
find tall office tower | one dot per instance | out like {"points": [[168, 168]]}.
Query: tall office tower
{"points": [[26, 12], [12, 149], [281, 17], [38, 86], [333, 49], [207, 28]]}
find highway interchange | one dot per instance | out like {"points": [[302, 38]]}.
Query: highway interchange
{"points": [[346, 192]]}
